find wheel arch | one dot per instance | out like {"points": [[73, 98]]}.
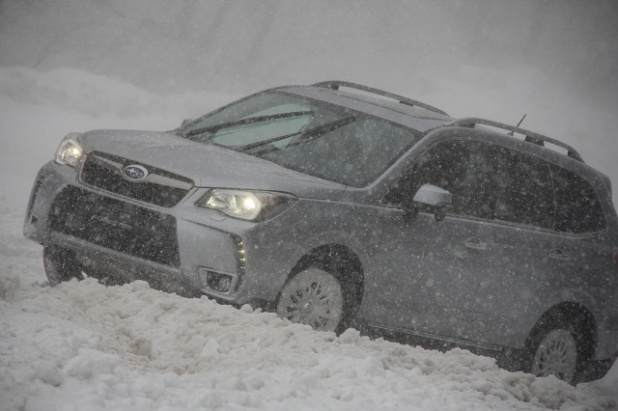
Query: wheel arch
{"points": [[337, 259], [572, 313]]}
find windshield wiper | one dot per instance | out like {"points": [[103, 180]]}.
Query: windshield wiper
{"points": [[247, 147], [307, 135], [317, 132], [244, 121]]}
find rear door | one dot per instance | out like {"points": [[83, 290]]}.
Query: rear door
{"points": [[523, 252]]}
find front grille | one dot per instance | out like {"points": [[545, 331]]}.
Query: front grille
{"points": [[160, 187], [116, 225]]}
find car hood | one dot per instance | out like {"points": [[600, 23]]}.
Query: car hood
{"points": [[206, 164]]}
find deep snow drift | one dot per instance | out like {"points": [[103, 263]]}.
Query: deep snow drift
{"points": [[84, 346]]}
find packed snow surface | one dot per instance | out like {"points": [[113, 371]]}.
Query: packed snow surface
{"points": [[84, 346]]}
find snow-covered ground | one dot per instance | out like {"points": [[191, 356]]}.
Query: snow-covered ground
{"points": [[83, 346]]}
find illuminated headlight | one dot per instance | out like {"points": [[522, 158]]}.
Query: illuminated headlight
{"points": [[248, 205], [69, 152]]}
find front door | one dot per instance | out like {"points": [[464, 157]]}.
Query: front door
{"points": [[423, 272]]}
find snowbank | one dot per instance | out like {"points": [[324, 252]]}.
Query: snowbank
{"points": [[85, 346]]}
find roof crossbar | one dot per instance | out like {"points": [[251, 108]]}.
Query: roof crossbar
{"points": [[403, 100], [530, 136]]}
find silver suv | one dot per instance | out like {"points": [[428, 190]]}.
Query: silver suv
{"points": [[339, 205]]}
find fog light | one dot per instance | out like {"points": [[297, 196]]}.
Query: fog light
{"points": [[218, 282]]}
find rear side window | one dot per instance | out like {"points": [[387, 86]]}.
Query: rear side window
{"points": [[578, 209], [501, 184], [522, 188]]}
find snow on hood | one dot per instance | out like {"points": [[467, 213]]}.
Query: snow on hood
{"points": [[206, 164]]}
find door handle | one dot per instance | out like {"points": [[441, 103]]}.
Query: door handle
{"points": [[475, 244], [558, 254]]}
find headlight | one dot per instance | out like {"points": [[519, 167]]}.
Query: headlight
{"points": [[69, 151], [248, 205]]}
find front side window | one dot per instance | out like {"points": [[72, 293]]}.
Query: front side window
{"points": [[457, 166], [315, 138]]}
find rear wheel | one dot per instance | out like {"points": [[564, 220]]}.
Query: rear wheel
{"points": [[556, 355], [314, 297], [60, 265], [561, 347]]}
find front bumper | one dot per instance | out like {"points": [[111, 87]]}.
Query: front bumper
{"points": [[179, 249]]}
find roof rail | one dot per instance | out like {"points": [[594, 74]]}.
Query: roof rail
{"points": [[530, 136], [403, 100]]}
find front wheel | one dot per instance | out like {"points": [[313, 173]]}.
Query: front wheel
{"points": [[314, 297], [60, 265]]}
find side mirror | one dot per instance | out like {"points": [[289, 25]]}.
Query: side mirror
{"points": [[435, 198]]}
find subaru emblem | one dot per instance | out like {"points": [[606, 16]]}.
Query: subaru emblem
{"points": [[135, 172]]}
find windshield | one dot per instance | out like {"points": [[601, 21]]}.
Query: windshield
{"points": [[313, 137]]}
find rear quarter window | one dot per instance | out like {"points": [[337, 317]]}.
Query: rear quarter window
{"points": [[578, 209]]}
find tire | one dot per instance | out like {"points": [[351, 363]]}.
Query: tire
{"points": [[559, 349], [60, 265], [317, 298]]}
